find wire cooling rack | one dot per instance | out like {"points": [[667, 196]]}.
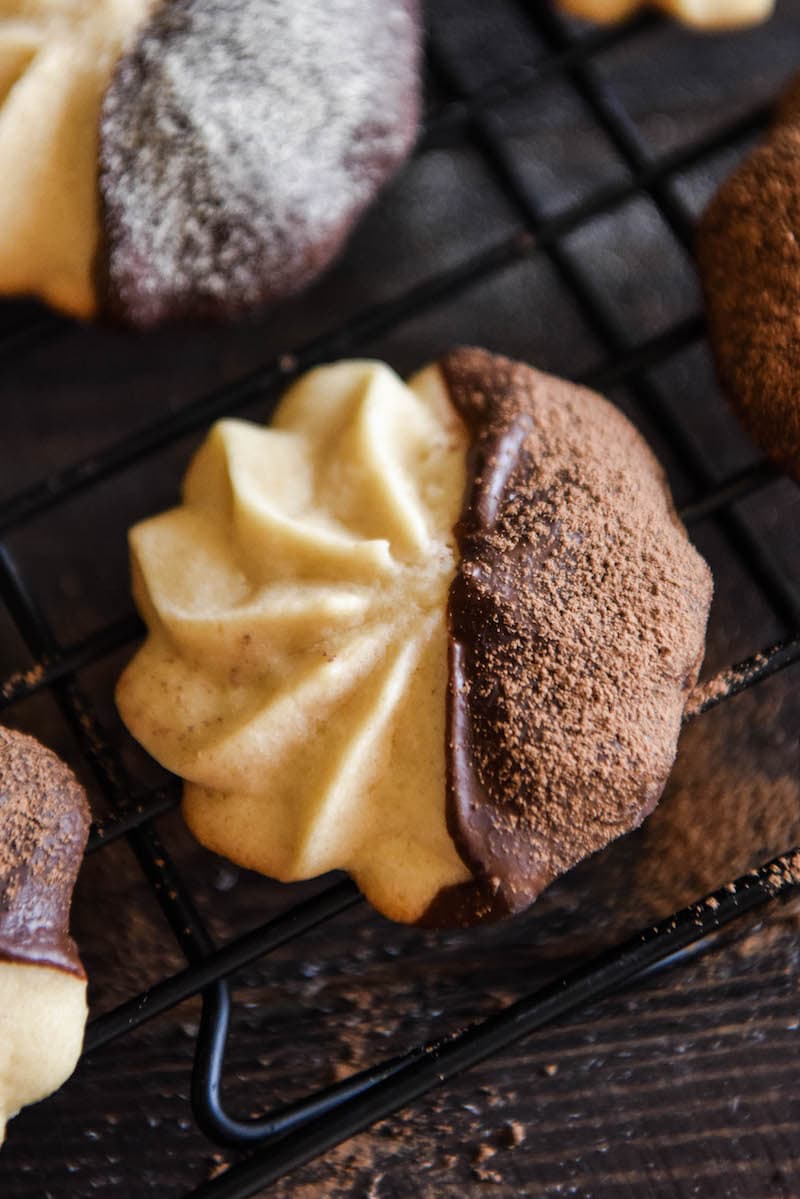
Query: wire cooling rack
{"points": [[461, 110]]}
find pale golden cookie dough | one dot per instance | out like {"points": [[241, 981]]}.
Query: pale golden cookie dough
{"points": [[56, 59], [42, 1018], [296, 667], [703, 14]]}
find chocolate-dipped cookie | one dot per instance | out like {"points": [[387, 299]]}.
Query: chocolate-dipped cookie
{"points": [[439, 634], [194, 158], [44, 823], [749, 261], [703, 14]]}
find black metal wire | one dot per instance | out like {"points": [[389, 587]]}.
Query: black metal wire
{"points": [[420, 1070], [780, 592], [742, 676], [614, 119], [294, 1133], [267, 381], [448, 121], [248, 948], [153, 858]]}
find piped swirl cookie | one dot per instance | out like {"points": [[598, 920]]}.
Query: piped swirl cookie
{"points": [[438, 634], [164, 159], [44, 822], [748, 252], [704, 14]]}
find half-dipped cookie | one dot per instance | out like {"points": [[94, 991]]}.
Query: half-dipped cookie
{"points": [[194, 158], [748, 253], [44, 823], [438, 634]]}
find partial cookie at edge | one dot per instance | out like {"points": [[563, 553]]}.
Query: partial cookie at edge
{"points": [[703, 14], [44, 823], [748, 253]]}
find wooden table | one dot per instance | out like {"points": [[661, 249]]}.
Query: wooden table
{"points": [[686, 1084]]}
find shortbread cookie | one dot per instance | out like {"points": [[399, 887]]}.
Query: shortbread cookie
{"points": [[44, 822], [439, 634], [194, 158], [705, 14], [749, 257]]}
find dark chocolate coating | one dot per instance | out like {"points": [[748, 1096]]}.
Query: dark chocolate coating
{"points": [[748, 251], [239, 142], [577, 624], [44, 823]]}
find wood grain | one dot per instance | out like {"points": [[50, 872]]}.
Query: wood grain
{"points": [[684, 1086]]}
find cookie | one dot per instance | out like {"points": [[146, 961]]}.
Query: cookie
{"points": [[194, 158], [44, 823], [438, 634], [704, 14], [749, 262]]}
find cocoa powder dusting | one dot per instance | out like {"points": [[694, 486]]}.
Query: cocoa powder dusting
{"points": [[44, 823], [577, 621]]}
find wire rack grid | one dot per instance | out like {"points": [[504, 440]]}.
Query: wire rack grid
{"points": [[461, 110]]}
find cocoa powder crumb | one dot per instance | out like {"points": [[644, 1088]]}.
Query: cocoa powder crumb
{"points": [[484, 1153], [720, 686], [218, 1166], [513, 1134], [22, 681]]}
